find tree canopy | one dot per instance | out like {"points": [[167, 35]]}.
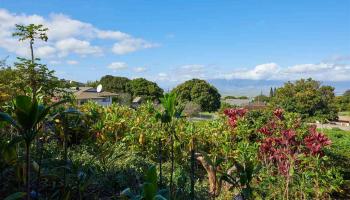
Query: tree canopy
{"points": [[343, 102], [307, 97], [200, 92], [28, 75], [115, 84], [144, 88]]}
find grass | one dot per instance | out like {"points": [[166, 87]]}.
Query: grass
{"points": [[339, 154], [345, 113]]}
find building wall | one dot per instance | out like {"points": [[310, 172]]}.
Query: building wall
{"points": [[103, 102]]}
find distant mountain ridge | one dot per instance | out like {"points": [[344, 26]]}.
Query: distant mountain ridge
{"points": [[252, 88]]}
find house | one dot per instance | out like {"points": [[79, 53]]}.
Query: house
{"points": [[136, 102], [85, 94], [237, 102], [256, 105]]}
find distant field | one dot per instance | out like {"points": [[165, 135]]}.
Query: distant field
{"points": [[347, 113]]}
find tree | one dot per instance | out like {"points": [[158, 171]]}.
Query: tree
{"points": [[146, 89], [166, 117], [261, 98], [6, 75], [308, 98], [29, 73], [347, 93], [191, 109], [36, 77], [271, 92], [343, 102], [115, 84], [31, 32], [93, 84], [200, 92]]}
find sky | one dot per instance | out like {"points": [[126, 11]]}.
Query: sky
{"points": [[173, 41]]}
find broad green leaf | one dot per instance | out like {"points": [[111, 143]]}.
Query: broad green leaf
{"points": [[151, 176], [7, 118], [159, 197], [23, 103], [17, 195]]}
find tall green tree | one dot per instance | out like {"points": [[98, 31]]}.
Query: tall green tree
{"points": [[307, 97], [200, 92], [31, 33], [115, 84], [343, 102], [271, 92], [28, 73], [167, 118], [146, 89], [347, 93]]}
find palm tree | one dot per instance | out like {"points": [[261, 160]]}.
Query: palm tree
{"points": [[166, 117], [27, 121]]}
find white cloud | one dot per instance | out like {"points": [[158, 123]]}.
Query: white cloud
{"points": [[72, 62], [54, 62], [72, 45], [117, 35], [45, 51], [118, 65], [263, 71], [66, 36], [162, 76], [139, 69], [271, 71], [131, 45]]}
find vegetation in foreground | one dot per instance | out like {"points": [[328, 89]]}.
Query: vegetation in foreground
{"points": [[105, 152]]}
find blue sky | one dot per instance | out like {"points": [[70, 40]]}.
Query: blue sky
{"points": [[172, 41]]}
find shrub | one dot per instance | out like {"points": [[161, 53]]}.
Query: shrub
{"points": [[191, 109]]}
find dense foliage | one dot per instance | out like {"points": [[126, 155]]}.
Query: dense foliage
{"points": [[115, 84], [200, 92], [108, 149], [146, 89], [343, 102], [308, 98]]}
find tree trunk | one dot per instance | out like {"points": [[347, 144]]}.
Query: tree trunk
{"points": [[211, 171], [192, 170], [160, 162], [34, 86], [28, 170], [215, 186], [172, 166], [31, 50]]}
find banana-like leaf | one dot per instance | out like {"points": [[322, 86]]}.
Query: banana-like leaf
{"points": [[7, 118], [149, 191], [159, 197], [151, 176], [127, 193], [26, 111], [15, 196], [46, 110], [23, 103]]}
